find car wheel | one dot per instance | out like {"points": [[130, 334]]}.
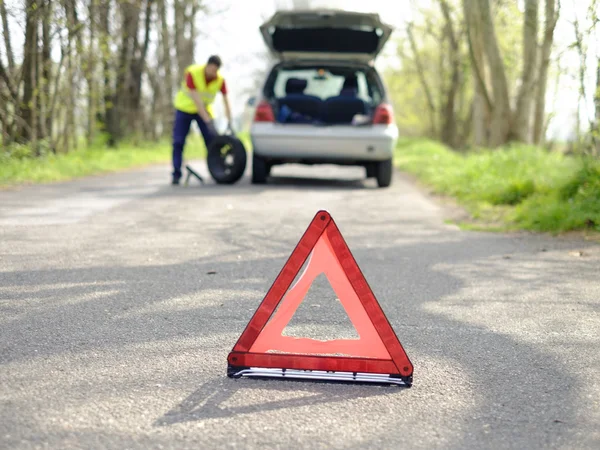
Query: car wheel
{"points": [[384, 173], [260, 170], [226, 159]]}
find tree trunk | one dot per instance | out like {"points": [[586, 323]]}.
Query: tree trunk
{"points": [[109, 119], [137, 69], [185, 24], [465, 129], [168, 85], [4, 76], [152, 124], [582, 50], [90, 73], [30, 51], [67, 130], [442, 82], [551, 17], [8, 97], [125, 91], [191, 20], [56, 93], [501, 114], [595, 131], [449, 122], [46, 70], [138, 66], [424, 84], [42, 71], [7, 42], [35, 81], [521, 130], [4, 126], [597, 94], [183, 59], [482, 103], [73, 48]]}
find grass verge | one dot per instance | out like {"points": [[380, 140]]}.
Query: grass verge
{"points": [[19, 167], [518, 187]]}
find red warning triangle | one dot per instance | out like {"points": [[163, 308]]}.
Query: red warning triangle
{"points": [[262, 345]]}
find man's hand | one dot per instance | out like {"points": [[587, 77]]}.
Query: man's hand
{"points": [[211, 126], [204, 116]]}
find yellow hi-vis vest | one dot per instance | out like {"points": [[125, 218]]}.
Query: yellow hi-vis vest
{"points": [[183, 102]]}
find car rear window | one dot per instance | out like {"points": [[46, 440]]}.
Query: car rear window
{"points": [[327, 82]]}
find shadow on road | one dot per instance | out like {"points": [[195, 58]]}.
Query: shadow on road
{"points": [[283, 181], [244, 187], [282, 177], [210, 401]]}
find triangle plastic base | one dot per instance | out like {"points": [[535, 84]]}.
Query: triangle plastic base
{"points": [[376, 357]]}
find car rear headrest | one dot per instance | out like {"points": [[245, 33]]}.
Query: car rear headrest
{"points": [[295, 86], [348, 92], [351, 82]]}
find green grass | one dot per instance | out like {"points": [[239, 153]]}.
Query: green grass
{"points": [[518, 187], [19, 167]]}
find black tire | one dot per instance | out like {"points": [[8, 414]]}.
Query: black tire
{"points": [[226, 159], [385, 170], [260, 170]]}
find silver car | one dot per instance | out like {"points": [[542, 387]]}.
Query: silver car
{"points": [[323, 101]]}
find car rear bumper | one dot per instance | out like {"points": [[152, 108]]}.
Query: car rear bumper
{"points": [[310, 143]]}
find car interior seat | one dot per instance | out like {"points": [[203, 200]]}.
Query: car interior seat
{"points": [[344, 106], [297, 101]]}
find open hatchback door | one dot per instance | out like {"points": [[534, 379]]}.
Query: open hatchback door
{"points": [[325, 34]]}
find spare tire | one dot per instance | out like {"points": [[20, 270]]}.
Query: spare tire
{"points": [[226, 159]]}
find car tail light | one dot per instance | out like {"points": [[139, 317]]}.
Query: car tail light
{"points": [[264, 112], [383, 115]]}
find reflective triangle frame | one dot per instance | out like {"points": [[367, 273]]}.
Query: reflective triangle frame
{"points": [[244, 360]]}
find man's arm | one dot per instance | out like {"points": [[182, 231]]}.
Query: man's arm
{"points": [[200, 106], [191, 91], [227, 108], [226, 102]]}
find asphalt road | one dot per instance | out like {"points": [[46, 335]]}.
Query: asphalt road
{"points": [[121, 296]]}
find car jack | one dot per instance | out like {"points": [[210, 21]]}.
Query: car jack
{"points": [[191, 172]]}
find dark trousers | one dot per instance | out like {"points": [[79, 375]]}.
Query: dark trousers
{"points": [[181, 129]]}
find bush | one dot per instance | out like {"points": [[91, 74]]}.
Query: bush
{"points": [[529, 187], [16, 151], [19, 164], [571, 206]]}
